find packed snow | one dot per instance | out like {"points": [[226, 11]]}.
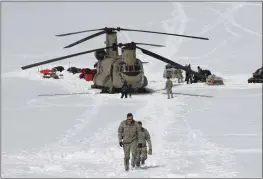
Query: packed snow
{"points": [[204, 131]]}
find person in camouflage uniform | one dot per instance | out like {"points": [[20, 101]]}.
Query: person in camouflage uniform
{"points": [[128, 135], [168, 87], [143, 137]]}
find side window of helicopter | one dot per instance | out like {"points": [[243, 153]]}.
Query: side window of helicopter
{"points": [[131, 68]]}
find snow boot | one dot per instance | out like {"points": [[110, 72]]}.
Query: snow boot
{"points": [[126, 164], [143, 162]]}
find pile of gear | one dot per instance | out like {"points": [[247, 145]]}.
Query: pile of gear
{"points": [[85, 73], [214, 80], [208, 77], [52, 73]]}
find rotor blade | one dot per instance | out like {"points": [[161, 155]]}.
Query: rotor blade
{"points": [[61, 58], [194, 37], [154, 55], [72, 33], [85, 39], [150, 44]]}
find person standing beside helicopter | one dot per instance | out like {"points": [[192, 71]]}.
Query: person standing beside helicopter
{"points": [[126, 89], [169, 87], [188, 75]]}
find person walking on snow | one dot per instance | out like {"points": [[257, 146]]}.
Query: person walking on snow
{"points": [[143, 137], [126, 90], [169, 87], [128, 135]]}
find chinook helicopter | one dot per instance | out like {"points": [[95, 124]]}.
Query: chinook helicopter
{"points": [[113, 69]]}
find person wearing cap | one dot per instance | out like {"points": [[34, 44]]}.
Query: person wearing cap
{"points": [[168, 87], [143, 137], [128, 135]]}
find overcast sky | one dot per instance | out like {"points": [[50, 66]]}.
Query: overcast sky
{"points": [[235, 30]]}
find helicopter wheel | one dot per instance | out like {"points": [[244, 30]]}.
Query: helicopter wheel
{"points": [[142, 90], [105, 90], [112, 90], [115, 90], [96, 87]]}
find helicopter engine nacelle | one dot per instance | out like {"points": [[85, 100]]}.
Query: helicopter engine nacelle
{"points": [[100, 54], [129, 55]]}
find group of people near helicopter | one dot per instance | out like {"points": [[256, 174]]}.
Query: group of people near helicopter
{"points": [[174, 72]]}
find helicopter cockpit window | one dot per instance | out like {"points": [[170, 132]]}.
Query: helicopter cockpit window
{"points": [[129, 68]]}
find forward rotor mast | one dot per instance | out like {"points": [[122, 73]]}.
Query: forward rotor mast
{"points": [[111, 39]]}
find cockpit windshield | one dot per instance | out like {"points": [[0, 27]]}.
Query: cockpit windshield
{"points": [[123, 67]]}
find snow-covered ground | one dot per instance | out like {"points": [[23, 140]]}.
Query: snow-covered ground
{"points": [[205, 131]]}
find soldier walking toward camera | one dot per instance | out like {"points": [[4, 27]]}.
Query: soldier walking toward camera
{"points": [[128, 136], [143, 137], [169, 87]]}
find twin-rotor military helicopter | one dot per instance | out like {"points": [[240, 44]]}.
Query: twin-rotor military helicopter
{"points": [[113, 69]]}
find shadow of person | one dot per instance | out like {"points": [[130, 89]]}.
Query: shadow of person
{"points": [[151, 166], [198, 95]]}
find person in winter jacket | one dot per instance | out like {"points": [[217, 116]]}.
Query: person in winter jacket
{"points": [[143, 137], [126, 89], [188, 75], [169, 87], [129, 90], [128, 135]]}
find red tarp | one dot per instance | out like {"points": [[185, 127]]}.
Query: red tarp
{"points": [[45, 71], [88, 77]]}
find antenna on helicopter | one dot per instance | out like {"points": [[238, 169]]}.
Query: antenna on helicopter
{"points": [[107, 30]]}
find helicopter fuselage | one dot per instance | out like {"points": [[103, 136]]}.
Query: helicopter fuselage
{"points": [[113, 71]]}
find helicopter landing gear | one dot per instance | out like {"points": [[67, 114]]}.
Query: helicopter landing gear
{"points": [[112, 90], [96, 87], [142, 90], [105, 90]]}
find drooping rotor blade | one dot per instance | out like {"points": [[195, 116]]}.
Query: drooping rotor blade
{"points": [[72, 33], [155, 45], [61, 58], [133, 44], [159, 57], [194, 37], [85, 39]]}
